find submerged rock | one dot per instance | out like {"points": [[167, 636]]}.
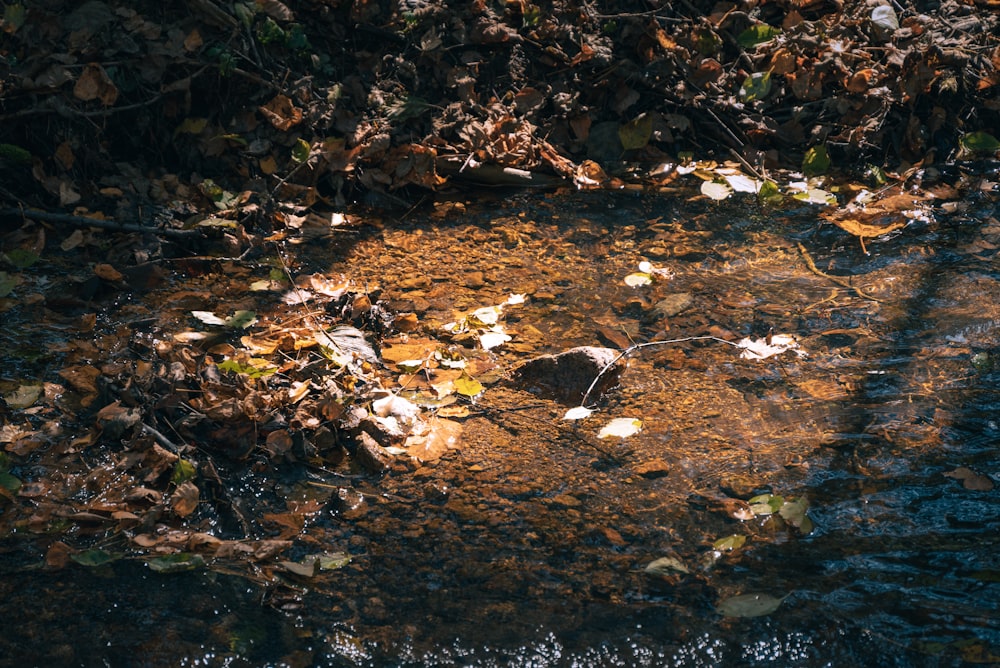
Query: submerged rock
{"points": [[568, 375]]}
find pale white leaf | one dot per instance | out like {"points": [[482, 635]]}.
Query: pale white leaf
{"points": [[489, 340], [638, 280], [578, 413], [761, 349], [621, 427], [716, 191], [742, 183], [208, 318]]}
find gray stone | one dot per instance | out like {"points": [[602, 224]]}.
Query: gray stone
{"points": [[567, 376]]}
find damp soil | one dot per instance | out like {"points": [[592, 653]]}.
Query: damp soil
{"points": [[527, 543]]}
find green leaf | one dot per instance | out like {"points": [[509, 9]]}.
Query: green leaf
{"points": [[241, 319], [176, 563], [183, 471], [756, 86], [636, 133], [769, 193], [301, 150], [816, 196], [749, 605], [816, 161], [10, 482], [94, 558], [331, 561], [14, 16], [730, 543], [979, 142], [757, 34], [15, 154], [22, 258], [306, 568], [765, 504], [7, 283], [191, 126], [794, 512], [256, 367]]}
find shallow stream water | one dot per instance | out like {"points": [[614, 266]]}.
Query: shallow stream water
{"points": [[527, 545]]}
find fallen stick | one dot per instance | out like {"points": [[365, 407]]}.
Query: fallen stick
{"points": [[84, 221]]}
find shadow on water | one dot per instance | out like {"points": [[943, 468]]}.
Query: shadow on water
{"points": [[527, 545]]}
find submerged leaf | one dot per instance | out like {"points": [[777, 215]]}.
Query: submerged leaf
{"points": [[666, 566], [749, 605], [176, 563], [94, 558], [730, 543]]}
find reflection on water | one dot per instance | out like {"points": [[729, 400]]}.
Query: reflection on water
{"points": [[526, 547]]}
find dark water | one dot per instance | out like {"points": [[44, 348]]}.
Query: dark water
{"points": [[526, 546]]}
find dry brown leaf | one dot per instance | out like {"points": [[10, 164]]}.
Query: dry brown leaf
{"points": [[95, 84], [433, 438], [970, 479], [185, 498], [281, 112]]}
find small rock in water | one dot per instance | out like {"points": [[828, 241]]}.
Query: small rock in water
{"points": [[568, 375]]}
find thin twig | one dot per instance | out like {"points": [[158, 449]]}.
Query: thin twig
{"points": [[628, 351]]}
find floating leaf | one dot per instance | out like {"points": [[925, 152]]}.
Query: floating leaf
{"points": [[765, 504], [666, 566], [757, 34], [769, 193], [578, 413], [742, 183], [94, 558], [749, 605], [816, 161], [979, 142], [730, 543], [636, 133], [621, 427], [176, 563], [331, 561], [716, 190], [794, 512], [306, 568], [816, 196]]}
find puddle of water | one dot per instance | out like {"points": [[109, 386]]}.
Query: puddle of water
{"points": [[527, 545]]}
